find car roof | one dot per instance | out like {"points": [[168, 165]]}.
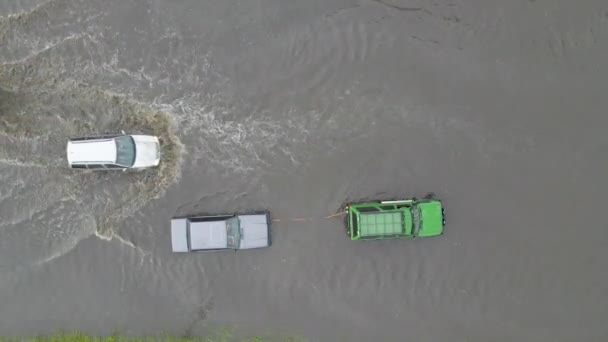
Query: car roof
{"points": [[208, 235], [91, 151]]}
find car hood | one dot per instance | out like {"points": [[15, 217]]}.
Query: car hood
{"points": [[147, 151], [254, 231], [431, 216]]}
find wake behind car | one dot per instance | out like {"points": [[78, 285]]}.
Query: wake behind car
{"points": [[222, 232], [395, 219], [114, 152]]}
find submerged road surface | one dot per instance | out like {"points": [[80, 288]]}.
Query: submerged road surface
{"points": [[498, 107]]}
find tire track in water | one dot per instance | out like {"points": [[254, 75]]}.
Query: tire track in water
{"points": [[44, 26], [205, 118], [40, 109], [107, 197], [15, 7], [242, 146], [46, 99]]}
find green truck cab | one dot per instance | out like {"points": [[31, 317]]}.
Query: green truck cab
{"points": [[395, 219]]}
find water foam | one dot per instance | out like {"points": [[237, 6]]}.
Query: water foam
{"points": [[39, 111]]}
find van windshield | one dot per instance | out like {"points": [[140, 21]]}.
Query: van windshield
{"points": [[125, 151]]}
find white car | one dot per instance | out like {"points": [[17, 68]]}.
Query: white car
{"points": [[114, 152]]}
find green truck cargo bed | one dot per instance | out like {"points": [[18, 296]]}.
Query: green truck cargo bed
{"points": [[395, 219], [381, 224]]}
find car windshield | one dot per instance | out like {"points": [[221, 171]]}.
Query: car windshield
{"points": [[125, 151], [416, 218], [233, 233]]}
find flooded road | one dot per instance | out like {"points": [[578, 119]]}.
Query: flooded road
{"points": [[498, 108]]}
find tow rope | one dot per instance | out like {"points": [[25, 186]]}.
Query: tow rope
{"points": [[309, 219]]}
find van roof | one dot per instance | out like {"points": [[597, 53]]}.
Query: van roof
{"points": [[91, 151]]}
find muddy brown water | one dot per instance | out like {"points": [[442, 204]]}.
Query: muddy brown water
{"points": [[497, 107]]}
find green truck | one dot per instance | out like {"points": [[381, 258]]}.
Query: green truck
{"points": [[395, 219]]}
